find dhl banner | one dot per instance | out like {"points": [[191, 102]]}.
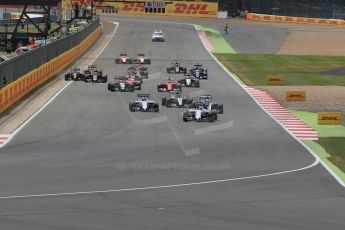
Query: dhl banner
{"points": [[275, 18], [171, 8], [295, 96], [274, 80], [17, 89], [330, 118]]}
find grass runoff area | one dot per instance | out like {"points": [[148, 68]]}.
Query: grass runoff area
{"points": [[253, 69], [331, 144], [335, 147]]}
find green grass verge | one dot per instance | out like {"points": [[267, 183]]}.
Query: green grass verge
{"points": [[218, 42], [331, 145], [324, 130], [326, 157], [335, 146], [252, 69]]}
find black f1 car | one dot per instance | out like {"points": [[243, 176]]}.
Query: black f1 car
{"points": [[176, 68], [144, 104], [120, 84], [123, 59], [189, 81], [176, 99], [95, 76], [199, 74], [75, 74], [141, 59]]}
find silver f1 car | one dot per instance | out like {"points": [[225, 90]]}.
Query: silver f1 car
{"points": [[176, 99], [121, 84], [75, 74], [123, 59], [143, 104], [141, 59], [189, 81]]}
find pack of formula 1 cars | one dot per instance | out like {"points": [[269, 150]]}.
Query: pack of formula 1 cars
{"points": [[90, 74], [203, 108]]}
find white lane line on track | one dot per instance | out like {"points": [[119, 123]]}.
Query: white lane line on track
{"points": [[60, 91], [158, 187]]}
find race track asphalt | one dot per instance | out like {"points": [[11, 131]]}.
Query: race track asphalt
{"points": [[87, 140]]}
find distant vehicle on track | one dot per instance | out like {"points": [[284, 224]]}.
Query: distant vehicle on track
{"points": [[121, 84], [141, 59], [168, 85], [90, 74], [176, 68], [189, 81], [123, 59], [176, 99], [158, 36]]}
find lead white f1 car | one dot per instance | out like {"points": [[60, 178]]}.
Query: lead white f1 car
{"points": [[143, 104], [200, 113]]}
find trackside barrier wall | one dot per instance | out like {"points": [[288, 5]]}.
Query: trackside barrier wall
{"points": [[17, 89], [275, 18], [9, 71]]}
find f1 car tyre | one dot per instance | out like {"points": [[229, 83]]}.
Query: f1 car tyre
{"points": [[131, 107], [168, 104], [220, 109], [164, 101], [156, 109]]}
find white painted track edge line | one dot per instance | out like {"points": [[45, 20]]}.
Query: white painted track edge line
{"points": [[159, 187]]}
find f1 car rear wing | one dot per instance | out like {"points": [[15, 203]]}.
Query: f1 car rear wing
{"points": [[143, 95], [123, 55], [205, 98], [141, 55], [120, 78]]}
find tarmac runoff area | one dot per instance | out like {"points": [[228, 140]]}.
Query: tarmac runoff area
{"points": [[85, 162]]}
